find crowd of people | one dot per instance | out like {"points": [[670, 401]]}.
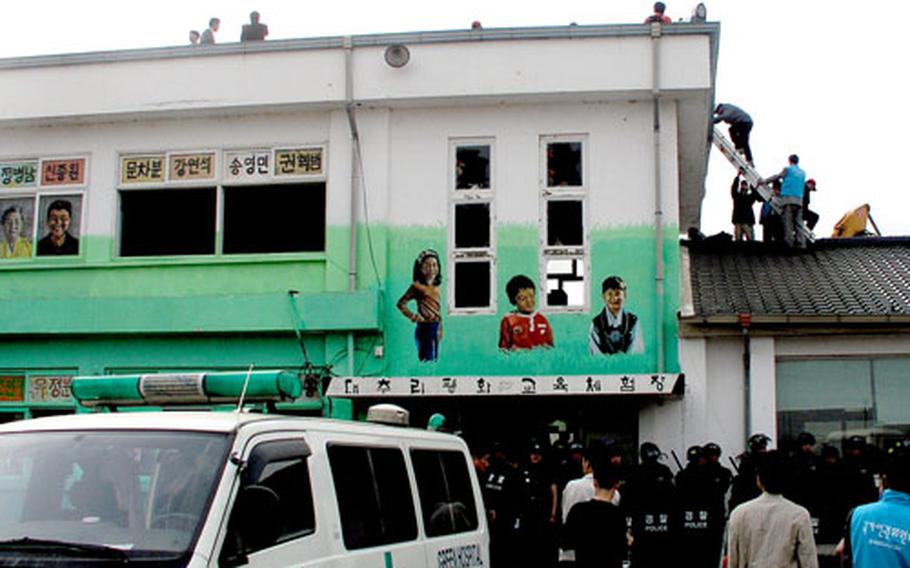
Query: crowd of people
{"points": [[786, 211], [253, 31], [586, 506]]}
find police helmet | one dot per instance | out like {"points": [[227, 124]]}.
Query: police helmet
{"points": [[649, 452], [711, 449], [758, 442], [693, 453], [855, 442], [805, 438]]}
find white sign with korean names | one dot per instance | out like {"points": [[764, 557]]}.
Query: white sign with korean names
{"points": [[471, 385]]}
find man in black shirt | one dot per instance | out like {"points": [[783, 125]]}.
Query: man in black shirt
{"points": [[596, 529], [255, 30]]}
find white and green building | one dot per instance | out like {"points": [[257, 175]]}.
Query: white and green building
{"points": [[264, 204]]}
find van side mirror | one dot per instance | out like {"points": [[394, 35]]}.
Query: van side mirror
{"points": [[254, 524]]}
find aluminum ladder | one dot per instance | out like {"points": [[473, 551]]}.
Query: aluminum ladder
{"points": [[751, 175]]}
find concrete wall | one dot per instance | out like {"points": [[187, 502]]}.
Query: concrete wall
{"points": [[712, 408]]}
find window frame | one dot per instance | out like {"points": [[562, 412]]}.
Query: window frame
{"points": [[219, 181], [469, 197], [471, 507], [549, 194], [408, 483]]}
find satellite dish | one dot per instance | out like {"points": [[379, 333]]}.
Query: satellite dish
{"points": [[397, 55]]}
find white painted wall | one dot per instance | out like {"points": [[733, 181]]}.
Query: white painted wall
{"points": [[610, 66], [712, 408]]}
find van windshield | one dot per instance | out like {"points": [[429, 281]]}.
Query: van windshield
{"points": [[137, 495]]}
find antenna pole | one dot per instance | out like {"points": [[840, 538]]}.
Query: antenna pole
{"points": [[246, 383]]}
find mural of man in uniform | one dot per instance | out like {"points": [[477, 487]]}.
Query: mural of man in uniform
{"points": [[615, 329], [424, 290], [524, 328]]}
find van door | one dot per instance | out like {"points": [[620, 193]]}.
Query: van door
{"points": [[451, 509], [375, 506], [272, 521]]}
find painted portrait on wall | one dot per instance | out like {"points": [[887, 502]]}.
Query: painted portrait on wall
{"points": [[424, 291], [615, 329], [18, 218], [59, 224], [524, 327]]}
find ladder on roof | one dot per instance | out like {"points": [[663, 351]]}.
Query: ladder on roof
{"points": [[752, 177]]}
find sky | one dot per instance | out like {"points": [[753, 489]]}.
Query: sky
{"points": [[825, 80]]}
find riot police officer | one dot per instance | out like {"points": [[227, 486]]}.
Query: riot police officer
{"points": [[648, 499], [695, 517], [718, 479], [502, 489], [806, 476], [539, 522], [744, 486], [859, 481]]}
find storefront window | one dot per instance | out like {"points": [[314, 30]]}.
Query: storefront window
{"points": [[837, 398]]}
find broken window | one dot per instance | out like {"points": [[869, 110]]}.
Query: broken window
{"points": [[276, 218], [471, 235], [166, 222], [563, 196], [565, 282], [472, 284], [472, 167], [472, 225], [565, 225], [564, 164]]}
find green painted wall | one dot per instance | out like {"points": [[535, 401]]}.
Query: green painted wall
{"points": [[470, 342], [97, 314]]}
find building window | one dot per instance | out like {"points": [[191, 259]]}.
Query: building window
{"points": [[260, 201], [471, 221], [564, 242], [836, 398], [283, 218], [167, 222]]}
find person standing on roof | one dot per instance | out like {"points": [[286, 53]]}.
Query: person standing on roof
{"points": [[208, 36], [811, 217], [740, 127], [793, 184], [255, 30], [743, 215], [658, 15]]}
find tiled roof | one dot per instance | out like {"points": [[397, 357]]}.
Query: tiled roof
{"points": [[860, 277]]}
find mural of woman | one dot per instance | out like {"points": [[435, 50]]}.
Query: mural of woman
{"points": [[424, 290]]}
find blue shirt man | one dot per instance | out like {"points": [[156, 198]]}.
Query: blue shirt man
{"points": [[793, 183], [879, 533]]}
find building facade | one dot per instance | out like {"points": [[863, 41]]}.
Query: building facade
{"points": [[439, 219], [812, 342]]}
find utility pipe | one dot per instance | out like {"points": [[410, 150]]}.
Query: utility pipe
{"points": [[658, 201], [745, 321], [355, 180]]}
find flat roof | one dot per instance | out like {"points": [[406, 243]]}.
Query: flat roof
{"points": [[368, 40]]}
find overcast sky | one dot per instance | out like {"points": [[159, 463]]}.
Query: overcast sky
{"points": [[826, 80]]}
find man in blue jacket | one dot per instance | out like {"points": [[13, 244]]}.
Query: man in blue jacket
{"points": [[878, 534], [793, 183]]}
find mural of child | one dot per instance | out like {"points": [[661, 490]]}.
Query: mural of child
{"points": [[615, 329], [424, 290], [523, 328]]}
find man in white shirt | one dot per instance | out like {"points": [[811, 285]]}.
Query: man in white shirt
{"points": [[771, 531]]}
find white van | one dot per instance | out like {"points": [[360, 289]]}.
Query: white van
{"points": [[191, 488]]}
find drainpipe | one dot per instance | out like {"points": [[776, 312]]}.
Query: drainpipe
{"points": [[355, 180], [745, 321], [658, 206]]}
